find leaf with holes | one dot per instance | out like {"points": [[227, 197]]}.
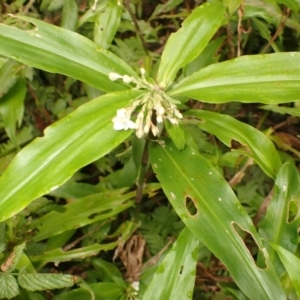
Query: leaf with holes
{"points": [[281, 222], [175, 276], [268, 78], [81, 212], [67, 145], [291, 263], [227, 129], [57, 50], [209, 208]]}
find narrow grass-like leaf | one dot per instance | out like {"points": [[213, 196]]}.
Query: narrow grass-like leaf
{"points": [[39, 282], [293, 111], [58, 255], [69, 144], [279, 225], [228, 129], [58, 50], [8, 286], [175, 277], [291, 263], [267, 78], [209, 208], [188, 42], [82, 212]]}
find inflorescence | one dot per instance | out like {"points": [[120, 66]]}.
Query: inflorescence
{"points": [[153, 105]]}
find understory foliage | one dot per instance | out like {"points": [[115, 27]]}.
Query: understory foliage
{"points": [[149, 149]]}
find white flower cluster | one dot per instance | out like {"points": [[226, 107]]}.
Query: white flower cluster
{"points": [[153, 108]]}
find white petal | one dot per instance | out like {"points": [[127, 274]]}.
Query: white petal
{"points": [[121, 113], [131, 125], [118, 125]]}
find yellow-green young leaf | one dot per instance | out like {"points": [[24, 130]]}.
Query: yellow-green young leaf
{"points": [[188, 42], [266, 78], [58, 50], [67, 145], [227, 129], [40, 282], [8, 286], [291, 263], [281, 222], [69, 15], [175, 277], [12, 108], [107, 23], [209, 208]]}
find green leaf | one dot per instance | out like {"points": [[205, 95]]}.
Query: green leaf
{"points": [[107, 23], [279, 226], [82, 212], [176, 133], [291, 263], [8, 286], [209, 208], [58, 255], [12, 108], [232, 5], [188, 42], [39, 282], [69, 144], [293, 111], [266, 78], [108, 272], [8, 76], [102, 290], [58, 50], [175, 277], [69, 15], [13, 259], [228, 129]]}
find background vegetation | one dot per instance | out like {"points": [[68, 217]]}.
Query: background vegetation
{"points": [[84, 213]]}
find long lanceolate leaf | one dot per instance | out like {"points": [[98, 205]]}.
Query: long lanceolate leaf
{"points": [[270, 78], [73, 142], [188, 42], [279, 226], [190, 181], [58, 50], [227, 129], [175, 277]]}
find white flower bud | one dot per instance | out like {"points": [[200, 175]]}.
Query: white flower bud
{"points": [[159, 119], [143, 72], [127, 79], [114, 76], [155, 130]]}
